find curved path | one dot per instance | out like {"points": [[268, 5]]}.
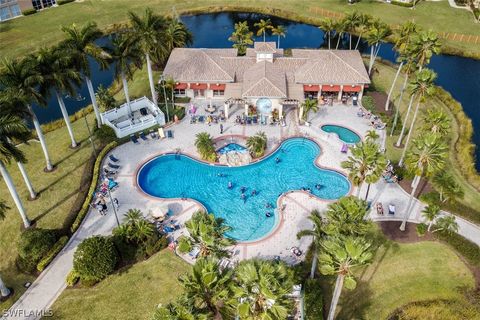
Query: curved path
{"points": [[51, 283]]}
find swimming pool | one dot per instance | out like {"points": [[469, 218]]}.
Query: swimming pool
{"points": [[346, 135], [232, 147], [179, 176]]}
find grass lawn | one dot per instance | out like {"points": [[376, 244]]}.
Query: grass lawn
{"points": [[58, 192], [382, 81], [139, 86], [403, 273], [130, 294], [20, 36]]}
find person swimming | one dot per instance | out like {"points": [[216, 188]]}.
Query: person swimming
{"points": [[243, 197], [242, 189], [268, 214], [254, 192], [268, 205], [277, 160], [318, 186], [230, 185], [221, 174]]}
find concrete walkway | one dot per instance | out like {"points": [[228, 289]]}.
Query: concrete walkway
{"points": [[49, 285]]}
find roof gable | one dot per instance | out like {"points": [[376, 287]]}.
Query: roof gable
{"points": [[264, 80]]}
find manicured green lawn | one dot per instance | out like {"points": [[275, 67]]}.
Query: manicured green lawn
{"points": [[130, 294], [139, 85], [403, 273], [382, 81], [21, 36], [58, 192]]}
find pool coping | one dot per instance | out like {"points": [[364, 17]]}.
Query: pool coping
{"points": [[280, 219]]}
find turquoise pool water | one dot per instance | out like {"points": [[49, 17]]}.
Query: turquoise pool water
{"points": [[179, 176], [346, 135], [232, 147]]}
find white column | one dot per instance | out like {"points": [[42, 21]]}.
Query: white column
{"points": [[340, 93], [280, 111], [300, 114], [360, 94], [227, 107], [246, 109]]}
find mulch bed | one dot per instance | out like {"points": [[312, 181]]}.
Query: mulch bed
{"points": [[391, 229], [423, 187], [380, 98]]}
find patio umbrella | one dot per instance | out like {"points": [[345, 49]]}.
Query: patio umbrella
{"points": [[160, 212]]}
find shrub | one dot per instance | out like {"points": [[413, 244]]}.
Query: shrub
{"points": [[33, 246], [52, 253], [437, 309], [313, 299], [28, 12], [465, 247], [105, 134], [182, 99], [61, 2], [95, 258], [421, 229], [72, 278], [368, 103], [402, 4]]}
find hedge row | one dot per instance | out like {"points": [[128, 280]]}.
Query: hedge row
{"points": [[96, 170], [464, 148], [60, 123], [465, 247], [60, 2], [52, 253], [28, 12]]}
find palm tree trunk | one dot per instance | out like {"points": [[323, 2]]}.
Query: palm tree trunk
{"points": [[358, 40], [338, 41], [329, 41], [33, 194], [350, 41], [368, 191], [370, 63], [41, 138], [150, 79], [314, 264], [125, 90], [13, 192], [407, 211], [278, 42], [4, 291], [387, 104], [430, 224], [397, 111], [409, 134], [336, 296], [358, 190], [94, 101], [399, 141], [66, 118]]}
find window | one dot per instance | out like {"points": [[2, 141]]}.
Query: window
{"points": [[9, 12], [179, 92], [218, 93], [5, 13], [15, 10], [42, 4]]}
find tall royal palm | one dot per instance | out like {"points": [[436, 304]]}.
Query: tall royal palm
{"points": [[263, 26], [363, 27], [328, 27], [341, 256], [61, 77], [175, 35], [148, 31], [437, 121], [22, 79], [12, 128], [80, 43], [279, 31], [351, 21], [426, 158], [377, 34], [127, 54], [424, 46], [422, 88], [318, 234], [340, 29], [410, 67]]}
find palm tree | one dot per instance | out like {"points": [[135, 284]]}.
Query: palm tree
{"points": [[422, 87], [318, 233], [424, 45], [147, 30], [427, 157], [257, 144], [430, 213], [3, 209], [367, 162], [80, 44], [328, 26], [347, 217], [341, 255], [363, 26], [262, 289], [351, 21], [207, 288], [56, 67], [447, 187], [204, 144], [127, 54], [437, 121], [446, 224], [372, 135], [307, 106], [4, 291], [241, 37], [340, 29], [105, 99], [170, 85], [176, 311], [12, 128], [279, 31], [206, 233], [376, 35], [175, 35], [21, 78], [263, 26]]}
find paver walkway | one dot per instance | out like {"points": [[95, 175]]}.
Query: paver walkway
{"points": [[50, 284]]}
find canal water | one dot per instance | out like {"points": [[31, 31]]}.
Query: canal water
{"points": [[459, 76]]}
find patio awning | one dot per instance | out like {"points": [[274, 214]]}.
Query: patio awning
{"points": [[331, 88], [311, 87], [198, 86], [217, 86], [350, 88], [181, 86]]}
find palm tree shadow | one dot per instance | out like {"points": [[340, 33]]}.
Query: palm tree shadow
{"points": [[354, 303], [65, 175], [82, 145]]}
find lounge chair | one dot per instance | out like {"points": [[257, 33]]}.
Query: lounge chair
{"points": [[134, 139], [169, 133], [391, 208], [113, 166], [142, 135], [255, 120], [161, 133], [194, 253], [112, 157], [344, 148], [153, 135], [201, 119], [109, 172]]}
